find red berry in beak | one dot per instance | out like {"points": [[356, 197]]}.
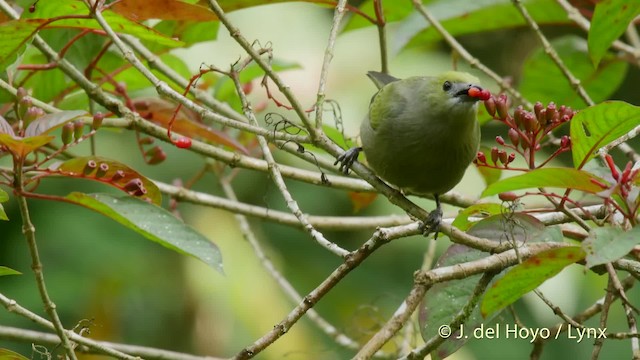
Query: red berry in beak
{"points": [[478, 93]]}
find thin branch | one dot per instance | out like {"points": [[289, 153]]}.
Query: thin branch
{"points": [[266, 67], [29, 232], [551, 52], [425, 279], [348, 223], [13, 307], [580, 318], [474, 62], [155, 62], [604, 314], [338, 14], [340, 338], [627, 306], [164, 89], [634, 54], [632, 35], [556, 310], [276, 176], [47, 339], [460, 318], [13, 91], [382, 35], [351, 262], [221, 112], [585, 25]]}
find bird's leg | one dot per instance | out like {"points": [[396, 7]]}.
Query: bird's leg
{"points": [[432, 223], [347, 159]]}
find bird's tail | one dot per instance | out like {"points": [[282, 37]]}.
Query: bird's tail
{"points": [[380, 79]]}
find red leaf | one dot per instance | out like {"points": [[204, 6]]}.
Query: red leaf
{"points": [[159, 112], [20, 147], [360, 200], [163, 9], [112, 173]]}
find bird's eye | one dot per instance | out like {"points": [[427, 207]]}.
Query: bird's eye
{"points": [[446, 86]]}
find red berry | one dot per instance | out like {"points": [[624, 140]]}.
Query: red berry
{"points": [[247, 87], [183, 143], [476, 92], [508, 196]]}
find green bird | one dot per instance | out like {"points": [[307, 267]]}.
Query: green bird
{"points": [[421, 133]]}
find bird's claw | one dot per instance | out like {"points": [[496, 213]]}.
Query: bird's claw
{"points": [[347, 159], [432, 223]]}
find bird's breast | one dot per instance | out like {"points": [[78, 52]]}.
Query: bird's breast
{"points": [[423, 158]]}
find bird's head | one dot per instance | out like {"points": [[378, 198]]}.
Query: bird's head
{"points": [[459, 90]]}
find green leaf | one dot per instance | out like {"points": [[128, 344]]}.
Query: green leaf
{"points": [[337, 136], [610, 20], [462, 221], [154, 223], [225, 90], [56, 80], [52, 9], [83, 51], [444, 300], [6, 354], [8, 271], [15, 34], [393, 11], [113, 173], [607, 244], [461, 17], [188, 31], [3, 197], [598, 125], [566, 178], [3, 214], [136, 81], [519, 227], [527, 276], [599, 82]]}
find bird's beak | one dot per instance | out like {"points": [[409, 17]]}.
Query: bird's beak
{"points": [[475, 93], [465, 91]]}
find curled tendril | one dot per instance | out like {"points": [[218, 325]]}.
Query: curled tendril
{"points": [[282, 124], [42, 351], [266, 49], [509, 223]]}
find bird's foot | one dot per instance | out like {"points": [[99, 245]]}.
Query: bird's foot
{"points": [[347, 159], [432, 223]]}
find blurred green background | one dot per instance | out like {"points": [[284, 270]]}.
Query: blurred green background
{"points": [[138, 292]]}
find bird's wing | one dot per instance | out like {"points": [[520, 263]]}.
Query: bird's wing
{"points": [[391, 103]]}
